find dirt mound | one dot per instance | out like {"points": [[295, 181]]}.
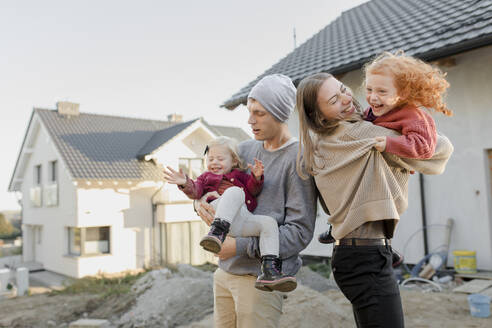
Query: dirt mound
{"points": [[169, 299], [43, 310], [165, 298], [305, 307]]}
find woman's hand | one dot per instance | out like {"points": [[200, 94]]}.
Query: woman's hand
{"points": [[380, 144], [174, 177], [257, 169], [204, 209]]}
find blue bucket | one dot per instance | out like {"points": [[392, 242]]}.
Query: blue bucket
{"points": [[479, 305]]}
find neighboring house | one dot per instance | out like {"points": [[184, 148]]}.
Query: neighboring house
{"points": [[455, 35], [93, 194]]}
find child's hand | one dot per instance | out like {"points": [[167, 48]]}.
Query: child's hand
{"points": [[174, 177], [380, 144], [256, 170]]}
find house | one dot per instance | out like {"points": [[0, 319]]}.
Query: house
{"points": [[93, 194], [455, 35]]}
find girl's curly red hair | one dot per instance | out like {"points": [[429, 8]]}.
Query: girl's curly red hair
{"points": [[417, 82]]}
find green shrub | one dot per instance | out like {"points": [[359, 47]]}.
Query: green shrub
{"points": [[105, 286], [210, 267], [321, 268]]}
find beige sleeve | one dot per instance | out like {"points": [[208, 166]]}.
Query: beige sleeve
{"points": [[434, 165]]}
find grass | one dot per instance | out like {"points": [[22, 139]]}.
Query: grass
{"points": [[210, 267], [4, 252], [107, 286], [102, 285], [321, 268]]}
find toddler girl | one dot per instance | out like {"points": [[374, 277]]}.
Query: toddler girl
{"points": [[399, 88], [234, 200]]}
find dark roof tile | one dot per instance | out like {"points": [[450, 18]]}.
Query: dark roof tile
{"points": [[427, 29], [100, 147]]}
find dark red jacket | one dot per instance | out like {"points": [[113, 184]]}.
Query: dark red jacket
{"points": [[209, 181], [419, 136]]}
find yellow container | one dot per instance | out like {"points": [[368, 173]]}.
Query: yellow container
{"points": [[465, 261]]}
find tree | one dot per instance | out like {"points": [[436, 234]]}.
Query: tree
{"points": [[7, 230]]}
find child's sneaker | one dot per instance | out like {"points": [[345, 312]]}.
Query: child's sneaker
{"points": [[212, 242], [272, 278]]}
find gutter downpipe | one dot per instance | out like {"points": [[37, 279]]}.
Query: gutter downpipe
{"points": [[154, 210], [424, 217]]}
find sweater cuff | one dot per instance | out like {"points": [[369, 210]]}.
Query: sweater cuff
{"points": [[262, 178], [390, 144], [186, 185]]}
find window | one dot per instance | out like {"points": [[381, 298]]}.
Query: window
{"points": [[53, 171], [193, 167], [37, 175], [74, 241], [35, 191], [88, 241], [96, 240], [50, 196]]}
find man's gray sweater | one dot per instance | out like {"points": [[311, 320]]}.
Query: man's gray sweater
{"points": [[285, 197]]}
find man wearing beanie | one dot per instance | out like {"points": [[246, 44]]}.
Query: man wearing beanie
{"points": [[285, 197]]}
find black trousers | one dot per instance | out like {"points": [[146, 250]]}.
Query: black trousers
{"points": [[365, 276]]}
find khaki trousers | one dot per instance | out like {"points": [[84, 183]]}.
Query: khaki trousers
{"points": [[237, 303]]}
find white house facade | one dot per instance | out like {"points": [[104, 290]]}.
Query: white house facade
{"points": [[85, 212]]}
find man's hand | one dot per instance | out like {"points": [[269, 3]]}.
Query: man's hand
{"points": [[204, 209], [228, 249], [380, 144], [257, 169]]}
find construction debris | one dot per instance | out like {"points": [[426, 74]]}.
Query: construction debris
{"points": [[473, 286]]}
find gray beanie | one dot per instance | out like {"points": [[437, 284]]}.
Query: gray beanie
{"points": [[277, 94]]}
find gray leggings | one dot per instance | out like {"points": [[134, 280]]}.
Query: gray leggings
{"points": [[231, 208]]}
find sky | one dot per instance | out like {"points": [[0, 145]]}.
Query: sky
{"points": [[144, 59]]}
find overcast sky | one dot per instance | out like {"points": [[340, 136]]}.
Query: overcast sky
{"points": [[142, 58]]}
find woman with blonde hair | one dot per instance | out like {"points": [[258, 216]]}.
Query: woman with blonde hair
{"points": [[365, 191]]}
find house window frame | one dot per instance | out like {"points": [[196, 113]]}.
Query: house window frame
{"points": [[50, 192], [38, 175], [53, 172], [83, 241], [36, 191], [189, 167]]}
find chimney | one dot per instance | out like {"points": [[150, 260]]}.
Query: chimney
{"points": [[175, 118], [67, 108]]}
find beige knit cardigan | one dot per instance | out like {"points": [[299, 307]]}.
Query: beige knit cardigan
{"points": [[359, 184]]}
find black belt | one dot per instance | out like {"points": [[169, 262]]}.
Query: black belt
{"points": [[363, 242]]}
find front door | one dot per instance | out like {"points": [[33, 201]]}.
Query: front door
{"points": [[38, 244]]}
